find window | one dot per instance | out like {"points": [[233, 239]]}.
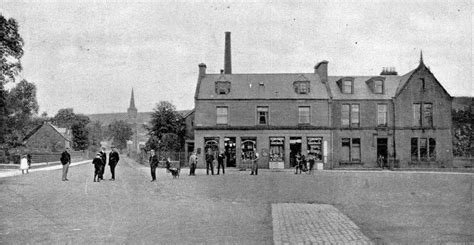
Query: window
{"points": [[416, 115], [381, 115], [345, 115], [350, 150], [423, 117], [350, 115], [347, 87], [262, 115], [277, 149], [304, 115], [221, 112], [378, 86], [423, 149], [428, 114]]}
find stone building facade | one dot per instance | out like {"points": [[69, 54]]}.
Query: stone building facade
{"points": [[338, 120]]}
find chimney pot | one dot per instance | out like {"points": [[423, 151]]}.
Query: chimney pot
{"points": [[202, 70], [322, 70]]}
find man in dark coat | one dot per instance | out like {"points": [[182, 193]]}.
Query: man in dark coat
{"points": [[153, 164], [98, 165], [113, 160], [103, 157], [209, 164], [65, 161], [220, 162]]}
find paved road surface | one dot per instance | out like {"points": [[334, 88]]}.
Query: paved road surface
{"points": [[233, 208]]}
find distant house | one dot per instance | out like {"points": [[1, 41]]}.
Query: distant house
{"points": [[48, 137]]}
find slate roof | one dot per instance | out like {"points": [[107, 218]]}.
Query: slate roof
{"points": [[361, 90], [275, 86], [60, 131]]}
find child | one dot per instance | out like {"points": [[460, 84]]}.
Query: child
{"points": [[97, 166], [24, 164]]}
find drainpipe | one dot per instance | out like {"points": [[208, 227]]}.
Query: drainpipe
{"points": [[394, 131]]}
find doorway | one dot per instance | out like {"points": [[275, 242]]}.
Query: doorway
{"points": [[229, 146], [295, 149], [382, 151]]}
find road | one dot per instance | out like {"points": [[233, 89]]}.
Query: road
{"points": [[233, 208]]}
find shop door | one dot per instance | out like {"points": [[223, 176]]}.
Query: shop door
{"points": [[295, 149], [229, 147], [382, 150]]}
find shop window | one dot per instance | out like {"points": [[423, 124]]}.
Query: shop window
{"points": [[222, 113], [351, 150], [262, 115], [304, 114], [315, 148], [248, 147], [382, 115], [423, 149], [277, 149], [211, 146]]}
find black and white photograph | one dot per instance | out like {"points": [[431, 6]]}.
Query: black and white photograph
{"points": [[236, 122]]}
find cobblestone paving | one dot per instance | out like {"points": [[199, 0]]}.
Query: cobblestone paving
{"points": [[297, 223]]}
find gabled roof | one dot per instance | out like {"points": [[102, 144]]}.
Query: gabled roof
{"points": [[407, 78], [261, 86], [61, 131]]}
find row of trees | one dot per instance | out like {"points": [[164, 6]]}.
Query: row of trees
{"points": [[19, 106]]}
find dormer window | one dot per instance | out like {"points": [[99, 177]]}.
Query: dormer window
{"points": [[301, 85], [222, 87], [378, 86], [347, 87]]}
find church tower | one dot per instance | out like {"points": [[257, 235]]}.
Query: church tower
{"points": [[132, 110]]}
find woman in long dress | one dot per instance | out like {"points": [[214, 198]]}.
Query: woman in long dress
{"points": [[24, 164]]}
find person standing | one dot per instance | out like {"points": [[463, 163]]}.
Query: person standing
{"points": [[254, 169], [209, 162], [192, 164], [153, 164], [103, 157], [24, 164], [113, 160], [220, 162], [65, 161], [97, 161]]}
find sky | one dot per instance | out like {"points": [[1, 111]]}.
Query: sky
{"points": [[88, 55]]}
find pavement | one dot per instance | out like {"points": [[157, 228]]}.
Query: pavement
{"points": [[235, 208], [38, 167]]}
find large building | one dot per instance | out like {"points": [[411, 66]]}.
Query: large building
{"points": [[338, 120]]}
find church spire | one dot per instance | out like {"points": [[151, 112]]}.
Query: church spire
{"points": [[132, 101], [132, 110]]}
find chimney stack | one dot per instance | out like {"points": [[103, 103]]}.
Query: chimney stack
{"points": [[227, 55], [322, 70], [202, 70]]}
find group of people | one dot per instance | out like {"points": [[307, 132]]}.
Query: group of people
{"points": [[100, 161], [302, 164], [211, 162]]}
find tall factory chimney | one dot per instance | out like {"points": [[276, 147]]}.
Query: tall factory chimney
{"points": [[227, 55]]}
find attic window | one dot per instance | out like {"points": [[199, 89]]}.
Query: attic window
{"points": [[347, 86], [378, 86], [222, 87], [301, 87]]}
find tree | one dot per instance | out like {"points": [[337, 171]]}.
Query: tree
{"points": [[97, 132], [11, 49], [120, 131], [22, 106], [66, 118], [463, 140], [80, 136], [167, 129]]}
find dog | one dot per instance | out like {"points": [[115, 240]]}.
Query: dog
{"points": [[174, 172]]}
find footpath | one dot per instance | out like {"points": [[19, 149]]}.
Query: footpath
{"points": [[38, 167]]}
